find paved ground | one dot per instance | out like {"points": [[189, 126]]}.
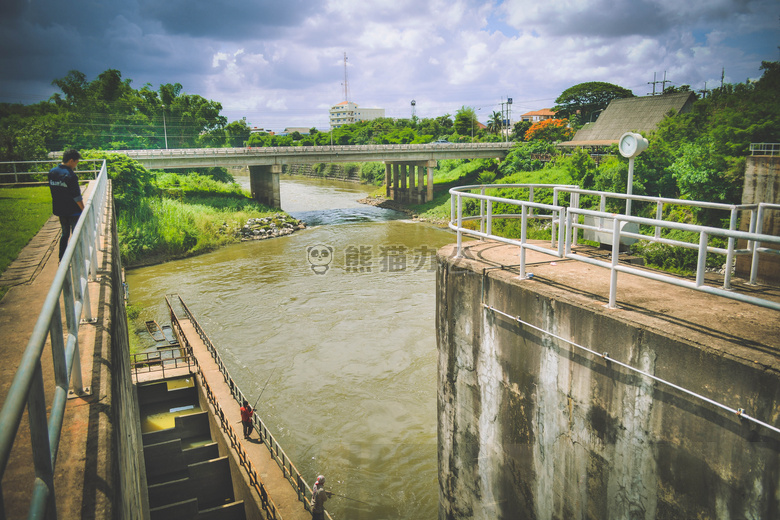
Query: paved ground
{"points": [[279, 489], [83, 479]]}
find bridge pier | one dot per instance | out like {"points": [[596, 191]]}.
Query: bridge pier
{"points": [[400, 183], [264, 184]]}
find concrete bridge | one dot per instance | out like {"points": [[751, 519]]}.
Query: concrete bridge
{"points": [[408, 167]]}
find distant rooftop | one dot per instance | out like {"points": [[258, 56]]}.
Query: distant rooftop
{"points": [[639, 114], [548, 112]]}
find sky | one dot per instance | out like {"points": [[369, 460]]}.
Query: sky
{"points": [[281, 63]]}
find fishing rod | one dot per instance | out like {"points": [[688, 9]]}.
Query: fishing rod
{"points": [[263, 390], [348, 498]]}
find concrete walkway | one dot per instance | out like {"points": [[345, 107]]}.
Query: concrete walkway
{"points": [[279, 489], [83, 481]]}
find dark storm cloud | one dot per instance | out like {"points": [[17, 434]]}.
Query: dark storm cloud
{"points": [[610, 19], [228, 19]]}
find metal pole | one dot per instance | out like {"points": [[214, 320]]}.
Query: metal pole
{"points": [[615, 257], [629, 185], [165, 128]]}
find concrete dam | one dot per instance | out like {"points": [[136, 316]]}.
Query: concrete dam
{"points": [[540, 416]]}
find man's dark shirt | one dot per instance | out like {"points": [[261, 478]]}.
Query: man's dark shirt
{"points": [[65, 191]]}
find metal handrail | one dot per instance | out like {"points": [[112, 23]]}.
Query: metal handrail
{"points": [[16, 174], [157, 361], [559, 214], [290, 472], [765, 149], [77, 267]]}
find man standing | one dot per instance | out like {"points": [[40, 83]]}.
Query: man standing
{"points": [[246, 418], [66, 199], [318, 498]]}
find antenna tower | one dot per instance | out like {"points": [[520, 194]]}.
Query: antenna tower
{"points": [[346, 82]]}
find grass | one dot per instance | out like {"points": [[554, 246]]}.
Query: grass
{"points": [[166, 228], [24, 211]]}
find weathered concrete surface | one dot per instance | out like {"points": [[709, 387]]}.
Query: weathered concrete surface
{"points": [[533, 427], [762, 184]]}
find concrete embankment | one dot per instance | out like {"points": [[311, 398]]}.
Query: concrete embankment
{"points": [[533, 426]]}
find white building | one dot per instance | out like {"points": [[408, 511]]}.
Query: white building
{"points": [[347, 112]]}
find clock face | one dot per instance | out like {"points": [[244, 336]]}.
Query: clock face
{"points": [[628, 145], [631, 144]]}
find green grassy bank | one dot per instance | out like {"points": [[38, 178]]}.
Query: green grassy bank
{"points": [[24, 211]]}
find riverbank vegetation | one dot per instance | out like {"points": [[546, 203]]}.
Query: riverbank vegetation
{"points": [[166, 215], [698, 155]]}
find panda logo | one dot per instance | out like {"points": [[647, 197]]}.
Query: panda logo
{"points": [[319, 256]]}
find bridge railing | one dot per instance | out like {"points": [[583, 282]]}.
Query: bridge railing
{"points": [[567, 221], [278, 454], [11, 170], [77, 267], [254, 150]]}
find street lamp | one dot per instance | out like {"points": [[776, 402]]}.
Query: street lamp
{"points": [[165, 128]]}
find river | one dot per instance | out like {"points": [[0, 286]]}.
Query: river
{"points": [[339, 318]]}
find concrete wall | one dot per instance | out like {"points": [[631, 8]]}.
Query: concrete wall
{"points": [[531, 427], [128, 465], [762, 184]]}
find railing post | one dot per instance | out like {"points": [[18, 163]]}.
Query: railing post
{"points": [[615, 257], [490, 217], [759, 225], [552, 218], [460, 227], [482, 211], [524, 220], [730, 254], [575, 203], [43, 503], [701, 264], [659, 213]]}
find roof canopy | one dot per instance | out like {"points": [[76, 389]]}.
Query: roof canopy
{"points": [[639, 114]]}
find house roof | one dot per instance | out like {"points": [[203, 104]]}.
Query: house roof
{"points": [[639, 114], [542, 112]]}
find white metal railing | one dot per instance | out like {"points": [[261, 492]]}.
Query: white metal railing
{"points": [[568, 223], [26, 165], [660, 203], [765, 149], [77, 267], [271, 150]]}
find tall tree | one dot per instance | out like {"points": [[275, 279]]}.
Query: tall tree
{"points": [[495, 123], [465, 120], [585, 99]]}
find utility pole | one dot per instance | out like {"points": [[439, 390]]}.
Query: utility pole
{"points": [[703, 91], [508, 117], [654, 83], [165, 128], [346, 83]]}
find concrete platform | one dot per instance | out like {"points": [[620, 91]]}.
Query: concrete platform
{"points": [[735, 329]]}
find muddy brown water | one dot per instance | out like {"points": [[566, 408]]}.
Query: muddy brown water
{"points": [[340, 317]]}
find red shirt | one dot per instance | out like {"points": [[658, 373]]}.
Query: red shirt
{"points": [[246, 413]]}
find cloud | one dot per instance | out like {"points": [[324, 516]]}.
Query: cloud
{"points": [[281, 63]]}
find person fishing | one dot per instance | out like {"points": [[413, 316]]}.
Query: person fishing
{"points": [[246, 418], [318, 498], [247, 411]]}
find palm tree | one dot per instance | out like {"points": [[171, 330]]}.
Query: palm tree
{"points": [[495, 123]]}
